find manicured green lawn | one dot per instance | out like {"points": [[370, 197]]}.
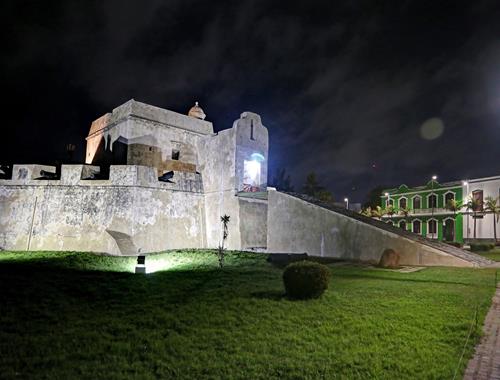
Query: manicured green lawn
{"points": [[494, 254], [75, 315]]}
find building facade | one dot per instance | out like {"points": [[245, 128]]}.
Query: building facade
{"points": [[428, 210]]}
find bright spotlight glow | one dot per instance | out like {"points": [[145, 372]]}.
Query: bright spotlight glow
{"points": [[253, 169], [434, 177], [386, 194], [345, 199], [251, 173], [465, 183]]}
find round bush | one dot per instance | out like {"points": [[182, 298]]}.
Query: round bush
{"points": [[306, 279]]}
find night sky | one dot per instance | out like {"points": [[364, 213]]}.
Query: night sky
{"points": [[364, 93]]}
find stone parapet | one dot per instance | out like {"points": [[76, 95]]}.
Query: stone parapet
{"points": [[88, 175]]}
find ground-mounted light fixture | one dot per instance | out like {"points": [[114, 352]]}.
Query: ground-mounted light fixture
{"points": [[141, 264]]}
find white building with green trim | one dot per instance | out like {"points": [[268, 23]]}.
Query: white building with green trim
{"points": [[423, 209]]}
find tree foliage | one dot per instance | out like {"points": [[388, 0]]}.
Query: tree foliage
{"points": [[282, 181], [492, 205], [314, 189], [373, 197]]}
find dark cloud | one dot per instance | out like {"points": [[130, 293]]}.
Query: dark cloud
{"points": [[342, 87]]}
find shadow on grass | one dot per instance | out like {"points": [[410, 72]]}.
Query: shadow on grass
{"points": [[54, 278], [273, 295]]}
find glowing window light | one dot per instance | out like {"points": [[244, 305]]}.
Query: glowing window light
{"points": [[251, 173]]}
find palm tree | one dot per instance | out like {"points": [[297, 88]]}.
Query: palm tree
{"points": [[378, 212], [366, 211], [474, 205], [454, 205], [492, 205], [389, 210], [405, 211]]}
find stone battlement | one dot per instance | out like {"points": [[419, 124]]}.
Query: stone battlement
{"points": [[135, 109], [88, 175]]}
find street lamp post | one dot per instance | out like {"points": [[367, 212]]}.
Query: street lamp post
{"points": [[346, 200], [434, 177], [466, 184]]}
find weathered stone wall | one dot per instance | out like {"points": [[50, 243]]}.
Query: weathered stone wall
{"points": [[217, 168], [253, 223], [296, 226], [131, 212]]}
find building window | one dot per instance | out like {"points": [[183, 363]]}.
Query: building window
{"points": [[251, 130], [477, 195], [402, 203], [389, 202], [175, 154], [432, 201], [449, 197], [417, 202], [402, 224], [432, 226], [416, 226]]}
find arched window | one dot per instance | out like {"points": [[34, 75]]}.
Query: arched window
{"points": [[417, 202], [402, 224], [417, 226], [448, 197], [402, 202], [432, 201]]}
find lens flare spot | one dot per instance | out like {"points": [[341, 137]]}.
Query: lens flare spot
{"points": [[432, 128]]}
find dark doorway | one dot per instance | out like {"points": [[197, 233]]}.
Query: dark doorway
{"points": [[449, 230]]}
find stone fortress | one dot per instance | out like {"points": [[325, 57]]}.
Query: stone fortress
{"points": [[154, 180]]}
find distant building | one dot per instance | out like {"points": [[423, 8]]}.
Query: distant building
{"points": [[427, 213]]}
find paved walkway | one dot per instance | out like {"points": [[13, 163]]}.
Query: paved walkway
{"points": [[486, 361]]}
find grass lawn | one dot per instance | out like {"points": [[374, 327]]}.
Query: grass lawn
{"points": [[494, 254], [76, 315]]}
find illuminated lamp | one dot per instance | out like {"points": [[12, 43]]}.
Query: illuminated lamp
{"points": [[141, 264]]}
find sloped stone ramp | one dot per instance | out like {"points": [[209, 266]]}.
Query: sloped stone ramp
{"points": [[298, 223]]}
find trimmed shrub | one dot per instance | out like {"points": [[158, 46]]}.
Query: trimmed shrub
{"points": [[455, 244], [481, 247], [306, 279]]}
